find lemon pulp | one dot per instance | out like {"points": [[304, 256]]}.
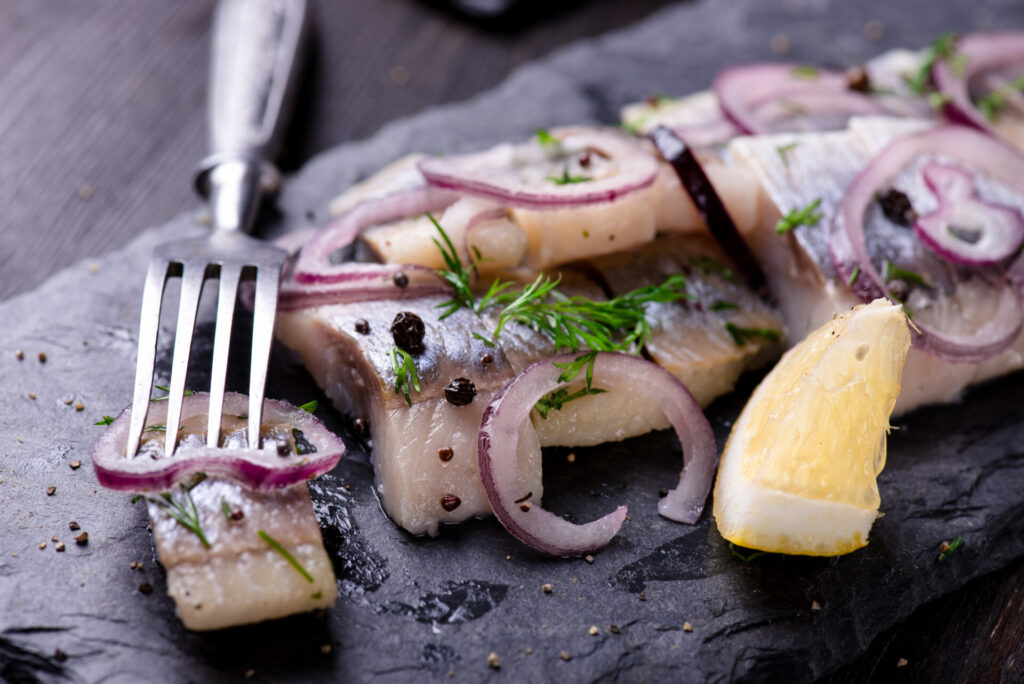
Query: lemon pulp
{"points": [[799, 471]]}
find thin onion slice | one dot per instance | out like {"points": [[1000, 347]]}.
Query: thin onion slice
{"points": [[523, 175], [984, 52], [257, 469], [543, 530], [976, 151], [769, 98], [965, 229], [314, 262], [362, 282]]}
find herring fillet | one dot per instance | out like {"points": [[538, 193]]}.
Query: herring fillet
{"points": [[240, 579], [425, 454]]}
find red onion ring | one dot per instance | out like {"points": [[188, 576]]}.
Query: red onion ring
{"points": [[749, 94], [1000, 228], [313, 264], [362, 282], [543, 530], [498, 173], [847, 242], [984, 52], [258, 469]]}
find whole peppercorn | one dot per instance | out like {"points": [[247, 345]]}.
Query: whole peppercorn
{"points": [[897, 208], [362, 327], [460, 391], [407, 330], [450, 502], [400, 279]]}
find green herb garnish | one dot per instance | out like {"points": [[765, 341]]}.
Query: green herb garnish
{"points": [[187, 517], [753, 555], [155, 427], [135, 499], [854, 275], [225, 508], [188, 393], [566, 179], [741, 335], [799, 217], [783, 152], [722, 305], [545, 138], [405, 373], [555, 400], [274, 544], [805, 71], [953, 546], [708, 265], [454, 273], [938, 101], [892, 272], [310, 406], [105, 420], [944, 48], [996, 100]]}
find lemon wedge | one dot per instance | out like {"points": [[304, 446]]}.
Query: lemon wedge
{"points": [[799, 470]]}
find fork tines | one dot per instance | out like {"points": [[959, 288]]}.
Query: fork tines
{"points": [[195, 262]]}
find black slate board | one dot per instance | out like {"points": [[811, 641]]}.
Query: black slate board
{"points": [[418, 608]]}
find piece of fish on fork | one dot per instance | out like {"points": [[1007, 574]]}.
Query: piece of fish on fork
{"points": [[256, 46]]}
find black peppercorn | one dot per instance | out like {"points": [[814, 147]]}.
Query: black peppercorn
{"points": [[460, 391], [450, 502], [897, 208], [362, 327], [407, 330], [445, 454], [401, 280], [858, 80]]}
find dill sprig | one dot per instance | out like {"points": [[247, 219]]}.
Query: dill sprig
{"points": [[951, 547], [566, 179], [406, 377], [164, 388], [276, 545], [546, 139], [105, 420], [573, 323], [799, 217], [944, 48], [454, 273], [805, 71], [783, 152], [570, 370], [742, 335], [990, 104], [753, 555], [310, 406], [187, 517], [891, 272]]}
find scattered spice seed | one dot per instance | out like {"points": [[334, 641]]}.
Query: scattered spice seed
{"points": [[857, 79], [687, 627], [59, 547], [546, 588], [781, 44], [571, 458], [54, 538], [815, 605], [446, 454], [32, 395], [593, 631], [642, 597], [525, 506], [82, 539], [325, 649], [589, 559], [79, 406], [361, 428], [565, 655], [902, 662], [132, 565], [68, 400], [42, 357], [614, 629], [529, 650], [408, 330], [450, 502], [59, 655], [73, 526], [250, 673], [19, 354], [75, 465], [51, 490], [662, 493], [362, 327], [21, 440], [42, 546], [493, 660], [146, 588]]}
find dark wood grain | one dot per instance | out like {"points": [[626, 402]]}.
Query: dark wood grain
{"points": [[101, 123]]}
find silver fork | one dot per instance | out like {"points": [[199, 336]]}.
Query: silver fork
{"points": [[253, 75]]}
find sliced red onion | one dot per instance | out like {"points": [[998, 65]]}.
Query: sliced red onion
{"points": [[976, 151], [710, 206], [314, 265], [361, 282], [613, 164], [258, 469], [770, 98], [545, 531], [984, 52], [964, 229]]}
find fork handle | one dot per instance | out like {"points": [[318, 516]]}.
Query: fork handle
{"points": [[257, 45]]}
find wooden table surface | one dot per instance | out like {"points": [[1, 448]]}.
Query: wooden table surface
{"points": [[102, 122]]}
